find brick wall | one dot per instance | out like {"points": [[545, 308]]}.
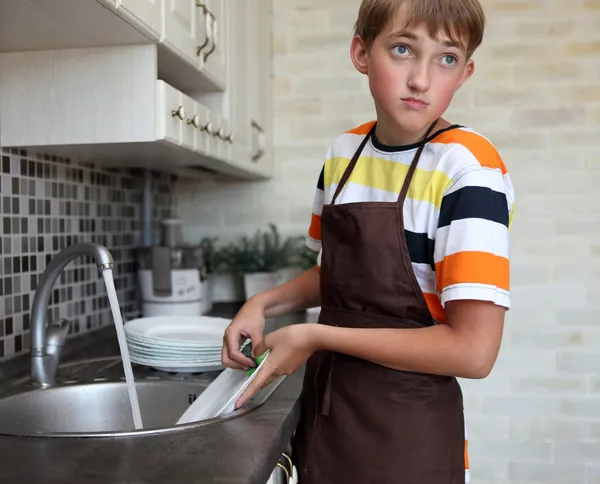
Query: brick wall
{"points": [[536, 94]]}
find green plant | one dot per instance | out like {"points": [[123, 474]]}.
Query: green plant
{"points": [[211, 257], [265, 251]]}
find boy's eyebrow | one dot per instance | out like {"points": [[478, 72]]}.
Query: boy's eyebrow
{"points": [[409, 34], [452, 43]]}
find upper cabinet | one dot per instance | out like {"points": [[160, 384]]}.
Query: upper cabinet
{"points": [[182, 86], [146, 14]]}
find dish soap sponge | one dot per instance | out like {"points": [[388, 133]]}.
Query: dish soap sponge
{"points": [[247, 351]]}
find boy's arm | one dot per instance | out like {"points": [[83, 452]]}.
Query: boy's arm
{"points": [[466, 347], [302, 292], [472, 269]]}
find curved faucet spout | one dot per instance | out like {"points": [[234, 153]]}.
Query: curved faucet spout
{"points": [[44, 360]]}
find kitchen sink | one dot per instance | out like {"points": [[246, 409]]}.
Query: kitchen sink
{"points": [[91, 400]]}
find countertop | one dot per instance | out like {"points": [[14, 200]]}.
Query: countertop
{"points": [[242, 450]]}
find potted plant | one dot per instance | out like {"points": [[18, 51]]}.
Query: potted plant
{"points": [[209, 262], [264, 260], [224, 284]]}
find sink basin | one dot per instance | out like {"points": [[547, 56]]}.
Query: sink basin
{"points": [[100, 408]]}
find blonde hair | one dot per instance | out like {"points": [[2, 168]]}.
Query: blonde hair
{"points": [[463, 21]]}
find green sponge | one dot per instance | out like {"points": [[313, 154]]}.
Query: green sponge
{"points": [[247, 351]]}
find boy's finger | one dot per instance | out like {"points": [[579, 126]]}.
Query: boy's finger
{"points": [[262, 378]]}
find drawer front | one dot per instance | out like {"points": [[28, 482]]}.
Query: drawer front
{"points": [[171, 113]]}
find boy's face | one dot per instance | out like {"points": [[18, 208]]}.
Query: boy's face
{"points": [[412, 76]]}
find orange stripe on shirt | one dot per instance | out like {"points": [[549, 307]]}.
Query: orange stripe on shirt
{"points": [[314, 230], [481, 148], [435, 307], [473, 267], [362, 129]]}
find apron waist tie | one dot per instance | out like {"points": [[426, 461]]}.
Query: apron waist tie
{"points": [[326, 403]]}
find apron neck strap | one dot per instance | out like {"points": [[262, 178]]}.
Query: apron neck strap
{"points": [[414, 163], [409, 175], [352, 163]]}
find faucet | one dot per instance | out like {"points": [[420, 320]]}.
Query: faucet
{"points": [[47, 343]]}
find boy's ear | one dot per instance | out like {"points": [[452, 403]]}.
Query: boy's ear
{"points": [[468, 72], [359, 55]]}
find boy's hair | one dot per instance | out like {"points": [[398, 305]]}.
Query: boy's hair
{"points": [[463, 21]]}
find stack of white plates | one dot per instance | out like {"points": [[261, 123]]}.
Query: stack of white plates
{"points": [[177, 344]]}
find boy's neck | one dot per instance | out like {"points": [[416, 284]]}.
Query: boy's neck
{"points": [[390, 134]]}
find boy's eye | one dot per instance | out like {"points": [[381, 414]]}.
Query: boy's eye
{"points": [[449, 60], [401, 49]]}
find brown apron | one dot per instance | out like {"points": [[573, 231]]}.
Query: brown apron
{"points": [[364, 423]]}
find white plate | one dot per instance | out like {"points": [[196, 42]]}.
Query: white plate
{"points": [[179, 331], [179, 352], [220, 396], [189, 369], [148, 360]]}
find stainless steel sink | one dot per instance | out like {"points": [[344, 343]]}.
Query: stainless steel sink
{"points": [[91, 400]]}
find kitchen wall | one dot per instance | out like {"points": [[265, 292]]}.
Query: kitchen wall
{"points": [[48, 204], [535, 93]]}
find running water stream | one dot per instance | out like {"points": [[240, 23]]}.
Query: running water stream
{"points": [[107, 274]]}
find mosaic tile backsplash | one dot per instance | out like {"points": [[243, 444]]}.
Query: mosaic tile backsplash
{"points": [[48, 203]]}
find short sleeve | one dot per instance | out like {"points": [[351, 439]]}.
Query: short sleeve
{"points": [[313, 238], [471, 251]]}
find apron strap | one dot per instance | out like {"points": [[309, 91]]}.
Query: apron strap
{"points": [[413, 165], [352, 163]]}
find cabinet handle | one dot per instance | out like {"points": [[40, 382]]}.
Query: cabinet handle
{"points": [[208, 27], [207, 127], [179, 112], [287, 458], [287, 473], [213, 24], [261, 137], [229, 138], [195, 121]]}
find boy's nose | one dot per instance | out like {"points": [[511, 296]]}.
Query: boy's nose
{"points": [[419, 77]]}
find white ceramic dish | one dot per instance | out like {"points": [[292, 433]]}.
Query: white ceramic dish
{"points": [[220, 396], [195, 331], [177, 344]]}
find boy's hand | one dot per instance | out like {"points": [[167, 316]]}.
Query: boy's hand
{"points": [[289, 347], [248, 323]]}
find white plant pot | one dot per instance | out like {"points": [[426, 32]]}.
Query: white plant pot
{"points": [[257, 282], [288, 273], [227, 287], [312, 314], [206, 294]]}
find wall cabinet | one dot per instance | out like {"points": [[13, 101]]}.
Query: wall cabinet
{"points": [[182, 86]]}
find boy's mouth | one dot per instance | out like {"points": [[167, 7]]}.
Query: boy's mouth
{"points": [[414, 103]]}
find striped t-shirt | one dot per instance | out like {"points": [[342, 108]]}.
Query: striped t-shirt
{"points": [[457, 211]]}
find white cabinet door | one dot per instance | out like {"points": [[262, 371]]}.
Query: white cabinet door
{"points": [[214, 55], [184, 27], [171, 114], [146, 12], [240, 61], [259, 84]]}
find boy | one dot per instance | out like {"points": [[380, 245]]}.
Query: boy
{"points": [[411, 220]]}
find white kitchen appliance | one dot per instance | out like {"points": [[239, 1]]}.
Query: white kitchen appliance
{"points": [[171, 276]]}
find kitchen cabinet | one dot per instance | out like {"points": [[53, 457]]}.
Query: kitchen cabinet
{"points": [[248, 98], [259, 84], [147, 14], [185, 28], [214, 54], [182, 86]]}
